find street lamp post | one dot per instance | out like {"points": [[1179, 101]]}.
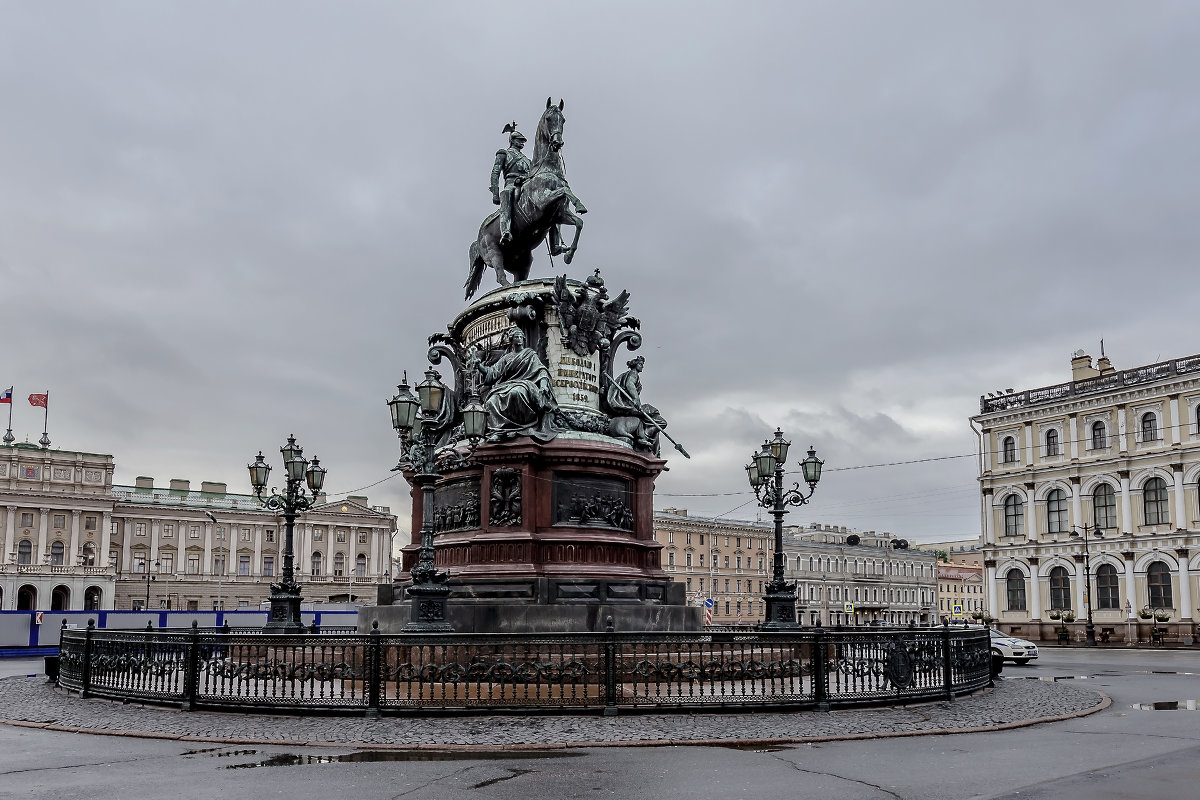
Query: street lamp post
{"points": [[1089, 627], [149, 578], [414, 421], [285, 595], [765, 473]]}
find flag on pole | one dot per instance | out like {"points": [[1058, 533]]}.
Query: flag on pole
{"points": [[41, 400], [6, 396]]}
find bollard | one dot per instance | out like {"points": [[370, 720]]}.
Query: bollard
{"points": [[374, 679], [610, 669], [820, 676], [85, 676], [191, 668]]}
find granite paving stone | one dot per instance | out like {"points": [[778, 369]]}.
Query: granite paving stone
{"points": [[1012, 703]]}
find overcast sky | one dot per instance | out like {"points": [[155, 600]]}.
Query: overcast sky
{"points": [[224, 222]]}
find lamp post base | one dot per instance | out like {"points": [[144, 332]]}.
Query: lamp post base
{"points": [[285, 609], [780, 610], [428, 608]]}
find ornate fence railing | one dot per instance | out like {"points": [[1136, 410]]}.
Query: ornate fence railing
{"points": [[430, 673]]}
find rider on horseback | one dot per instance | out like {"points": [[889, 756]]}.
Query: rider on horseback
{"points": [[516, 167]]}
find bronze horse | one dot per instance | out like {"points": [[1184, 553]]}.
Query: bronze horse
{"points": [[543, 202]]}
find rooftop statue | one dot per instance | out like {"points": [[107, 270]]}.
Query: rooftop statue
{"points": [[534, 200]]}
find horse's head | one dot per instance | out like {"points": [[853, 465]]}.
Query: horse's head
{"points": [[550, 127]]}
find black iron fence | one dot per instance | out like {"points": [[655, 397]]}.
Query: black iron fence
{"points": [[429, 673]]}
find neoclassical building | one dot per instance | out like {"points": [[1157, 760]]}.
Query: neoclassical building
{"points": [[1113, 450], [73, 540]]}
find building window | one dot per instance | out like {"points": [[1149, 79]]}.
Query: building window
{"points": [[139, 563], [1014, 583], [244, 565], [1052, 445], [268, 565], [193, 564], [1154, 500], [362, 537], [739, 562], [219, 564], [193, 605], [56, 554], [1158, 586], [1060, 589], [360, 566], [1149, 428], [1107, 592], [270, 534], [89, 523], [1014, 516], [702, 560], [1056, 511], [60, 521], [1099, 436], [341, 535], [26, 519], [339, 565], [1009, 450], [165, 563], [168, 531], [687, 557], [318, 534], [245, 534], [194, 532], [89, 555], [220, 532], [316, 564], [139, 529], [726, 562], [1104, 507], [670, 558]]}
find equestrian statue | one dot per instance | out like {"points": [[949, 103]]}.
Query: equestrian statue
{"points": [[534, 200]]}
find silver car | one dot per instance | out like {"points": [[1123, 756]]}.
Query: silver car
{"points": [[1012, 649]]}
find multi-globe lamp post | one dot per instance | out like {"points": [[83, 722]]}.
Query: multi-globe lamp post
{"points": [[765, 472], [285, 595], [1089, 638], [414, 419]]}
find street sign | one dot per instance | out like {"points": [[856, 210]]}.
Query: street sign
{"points": [[956, 609], [708, 602], [848, 608]]}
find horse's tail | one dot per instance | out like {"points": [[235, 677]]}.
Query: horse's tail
{"points": [[476, 272]]}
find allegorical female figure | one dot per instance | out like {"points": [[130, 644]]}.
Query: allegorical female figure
{"points": [[632, 420], [521, 400]]}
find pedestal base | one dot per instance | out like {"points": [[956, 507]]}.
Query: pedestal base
{"points": [[285, 609], [427, 610]]}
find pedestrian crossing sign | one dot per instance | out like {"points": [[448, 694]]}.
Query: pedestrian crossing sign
{"points": [[848, 608], [956, 609]]}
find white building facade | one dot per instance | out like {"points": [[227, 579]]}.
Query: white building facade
{"points": [[73, 540], [1117, 451]]}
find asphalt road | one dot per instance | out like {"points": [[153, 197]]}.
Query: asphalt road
{"points": [[1121, 752]]}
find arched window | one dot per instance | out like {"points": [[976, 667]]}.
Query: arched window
{"points": [[1149, 428], [1014, 516], [1056, 511], [1158, 586], [89, 555], [1060, 589], [56, 554], [1099, 436], [1052, 446], [339, 564], [1009, 450], [25, 552], [360, 565], [1107, 591], [1154, 500], [316, 564], [1014, 582], [1104, 507]]}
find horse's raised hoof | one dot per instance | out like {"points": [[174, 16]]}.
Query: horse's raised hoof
{"points": [[569, 256], [580, 209]]}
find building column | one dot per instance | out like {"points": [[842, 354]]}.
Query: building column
{"points": [[10, 535], [1185, 586], [1122, 428], [1035, 592], [73, 556], [1181, 522], [1175, 428], [126, 547], [989, 575], [1076, 503], [207, 567], [1130, 586], [256, 566], [1030, 513], [1029, 444], [105, 539], [1073, 434], [1126, 505], [1081, 585], [155, 532], [989, 516], [42, 545]]}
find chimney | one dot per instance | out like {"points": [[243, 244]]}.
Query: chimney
{"points": [[1081, 367], [360, 499], [1105, 366], [143, 483], [180, 485], [209, 487]]}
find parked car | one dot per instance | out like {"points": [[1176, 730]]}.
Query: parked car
{"points": [[1012, 649]]}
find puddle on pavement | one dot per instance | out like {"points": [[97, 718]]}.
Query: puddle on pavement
{"points": [[1169, 705], [362, 756]]}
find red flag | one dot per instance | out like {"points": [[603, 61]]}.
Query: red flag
{"points": [[39, 399]]}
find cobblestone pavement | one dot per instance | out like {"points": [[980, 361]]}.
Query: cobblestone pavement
{"points": [[1012, 703]]}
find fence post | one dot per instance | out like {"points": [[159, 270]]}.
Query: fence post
{"points": [[610, 669], [191, 668], [373, 672], [820, 671], [947, 670], [85, 674]]}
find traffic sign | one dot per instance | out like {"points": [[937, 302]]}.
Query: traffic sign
{"points": [[708, 602], [956, 609], [848, 608]]}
